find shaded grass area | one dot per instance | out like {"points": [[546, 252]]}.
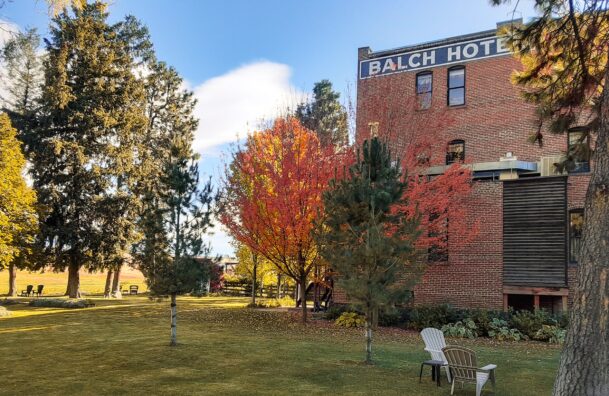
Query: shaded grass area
{"points": [[225, 349], [55, 282]]}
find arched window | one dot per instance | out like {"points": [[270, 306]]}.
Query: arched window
{"points": [[424, 88], [455, 151], [578, 150], [456, 86]]}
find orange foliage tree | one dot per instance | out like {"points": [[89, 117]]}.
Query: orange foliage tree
{"points": [[272, 196]]}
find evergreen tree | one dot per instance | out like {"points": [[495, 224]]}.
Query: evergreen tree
{"points": [[83, 148], [325, 115], [187, 219], [169, 111], [18, 220], [22, 80], [175, 210], [368, 242]]}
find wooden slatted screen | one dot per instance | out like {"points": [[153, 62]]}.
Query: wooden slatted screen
{"points": [[535, 232]]}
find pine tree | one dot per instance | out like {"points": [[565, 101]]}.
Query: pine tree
{"points": [[187, 219], [368, 242], [325, 115], [83, 146], [22, 80], [18, 220], [176, 211]]}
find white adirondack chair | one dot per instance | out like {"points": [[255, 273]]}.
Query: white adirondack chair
{"points": [[434, 342], [464, 366]]}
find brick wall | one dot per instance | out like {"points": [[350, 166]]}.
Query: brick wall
{"points": [[494, 120], [472, 277]]}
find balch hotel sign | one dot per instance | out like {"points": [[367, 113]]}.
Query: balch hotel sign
{"points": [[432, 57]]}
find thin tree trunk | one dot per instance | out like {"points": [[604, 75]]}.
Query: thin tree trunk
{"points": [[303, 297], [174, 321], [254, 274], [368, 334], [12, 280], [108, 287], [73, 290], [584, 363], [116, 282], [278, 285]]}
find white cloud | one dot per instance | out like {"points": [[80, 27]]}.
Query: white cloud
{"points": [[7, 31], [236, 102]]}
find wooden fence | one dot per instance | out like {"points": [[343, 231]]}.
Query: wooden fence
{"points": [[244, 289]]}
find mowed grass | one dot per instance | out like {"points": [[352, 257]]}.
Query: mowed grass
{"points": [[121, 347], [55, 282]]}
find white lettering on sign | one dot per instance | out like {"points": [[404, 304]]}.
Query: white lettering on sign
{"points": [[464, 51], [429, 58], [389, 65], [454, 53], [487, 46], [375, 67], [470, 50], [400, 65], [411, 62], [501, 45]]}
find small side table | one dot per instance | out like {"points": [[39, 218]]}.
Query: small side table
{"points": [[436, 365]]}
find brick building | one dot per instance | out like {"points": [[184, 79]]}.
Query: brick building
{"points": [[530, 215]]}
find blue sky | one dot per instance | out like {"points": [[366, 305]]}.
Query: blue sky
{"points": [[245, 59]]}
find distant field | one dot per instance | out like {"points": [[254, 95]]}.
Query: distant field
{"points": [[55, 282]]}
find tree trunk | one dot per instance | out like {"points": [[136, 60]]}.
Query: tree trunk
{"points": [[303, 297], [254, 282], [116, 282], [368, 334], [174, 321], [73, 290], [12, 280], [278, 285], [584, 363], [108, 287]]}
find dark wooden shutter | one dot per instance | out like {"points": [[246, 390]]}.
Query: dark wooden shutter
{"points": [[535, 232]]}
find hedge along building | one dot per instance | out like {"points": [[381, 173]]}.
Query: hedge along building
{"points": [[529, 215]]}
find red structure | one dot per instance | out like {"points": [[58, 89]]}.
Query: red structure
{"points": [[530, 216]]}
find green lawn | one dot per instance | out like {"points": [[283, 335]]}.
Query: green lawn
{"points": [[121, 347], [55, 282]]}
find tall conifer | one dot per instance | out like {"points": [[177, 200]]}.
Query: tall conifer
{"points": [[368, 242]]}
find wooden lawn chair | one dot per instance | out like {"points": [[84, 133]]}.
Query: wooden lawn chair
{"points": [[464, 368]]}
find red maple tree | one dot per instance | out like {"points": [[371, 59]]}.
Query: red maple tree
{"points": [[272, 196]]}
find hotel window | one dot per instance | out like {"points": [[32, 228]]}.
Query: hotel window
{"points": [[578, 151], [576, 223], [456, 86], [424, 86], [455, 151]]}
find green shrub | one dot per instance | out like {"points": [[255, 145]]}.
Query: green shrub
{"points": [[499, 330], [483, 319], [461, 329], [529, 323], [350, 319], [551, 334], [60, 303], [335, 311], [433, 316]]}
